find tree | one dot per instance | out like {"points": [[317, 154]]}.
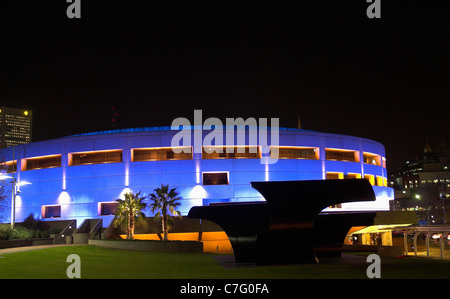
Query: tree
{"points": [[35, 226], [164, 202], [4, 204], [129, 212]]}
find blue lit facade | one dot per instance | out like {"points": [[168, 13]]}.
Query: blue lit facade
{"points": [[63, 188]]}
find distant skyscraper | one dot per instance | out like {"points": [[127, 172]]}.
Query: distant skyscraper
{"points": [[15, 126]]}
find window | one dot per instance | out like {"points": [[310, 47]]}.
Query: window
{"points": [[372, 159], [310, 153], [370, 178], [215, 178], [161, 154], [8, 167], [108, 208], [51, 211], [341, 155], [336, 206], [41, 162], [235, 152], [353, 176], [380, 181], [95, 157], [335, 175]]}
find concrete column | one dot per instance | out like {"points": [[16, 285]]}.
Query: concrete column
{"points": [[322, 160], [416, 234], [126, 155], [405, 242], [361, 161]]}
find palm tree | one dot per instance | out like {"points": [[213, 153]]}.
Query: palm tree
{"points": [[129, 212], [164, 201]]}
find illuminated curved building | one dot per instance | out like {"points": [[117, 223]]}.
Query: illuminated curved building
{"points": [[80, 177]]}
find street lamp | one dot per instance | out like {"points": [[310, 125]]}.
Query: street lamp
{"points": [[14, 185]]}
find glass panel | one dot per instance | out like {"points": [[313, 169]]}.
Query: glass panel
{"points": [[372, 159], [234, 152], [339, 155], [161, 154], [8, 167], [335, 175], [297, 153], [353, 176], [45, 162], [215, 178], [96, 157], [108, 208], [52, 212]]}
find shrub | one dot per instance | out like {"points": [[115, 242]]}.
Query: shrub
{"points": [[5, 231], [21, 233], [30, 228]]}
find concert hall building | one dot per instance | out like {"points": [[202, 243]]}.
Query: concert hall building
{"points": [[80, 177]]}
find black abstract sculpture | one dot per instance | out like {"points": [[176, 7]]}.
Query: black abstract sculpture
{"points": [[287, 227]]}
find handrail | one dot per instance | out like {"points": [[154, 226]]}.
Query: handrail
{"points": [[97, 228], [70, 228]]}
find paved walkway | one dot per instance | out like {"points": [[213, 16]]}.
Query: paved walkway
{"points": [[28, 248]]}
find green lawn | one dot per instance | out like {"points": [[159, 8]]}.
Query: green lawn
{"points": [[109, 263]]}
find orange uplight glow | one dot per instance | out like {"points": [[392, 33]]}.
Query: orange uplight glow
{"points": [[370, 178], [214, 242], [41, 162], [94, 157], [353, 175], [335, 175]]}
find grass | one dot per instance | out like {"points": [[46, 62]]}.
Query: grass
{"points": [[104, 263]]}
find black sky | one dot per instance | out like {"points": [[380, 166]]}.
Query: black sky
{"points": [[386, 79]]}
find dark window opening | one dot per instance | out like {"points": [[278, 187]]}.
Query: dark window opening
{"points": [[215, 178], [52, 212], [108, 208]]}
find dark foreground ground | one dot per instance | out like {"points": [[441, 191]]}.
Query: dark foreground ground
{"points": [[100, 263]]}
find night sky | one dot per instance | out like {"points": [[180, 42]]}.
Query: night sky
{"points": [[384, 79]]}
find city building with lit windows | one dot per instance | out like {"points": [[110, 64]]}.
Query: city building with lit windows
{"points": [[15, 126], [80, 177], [422, 184]]}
